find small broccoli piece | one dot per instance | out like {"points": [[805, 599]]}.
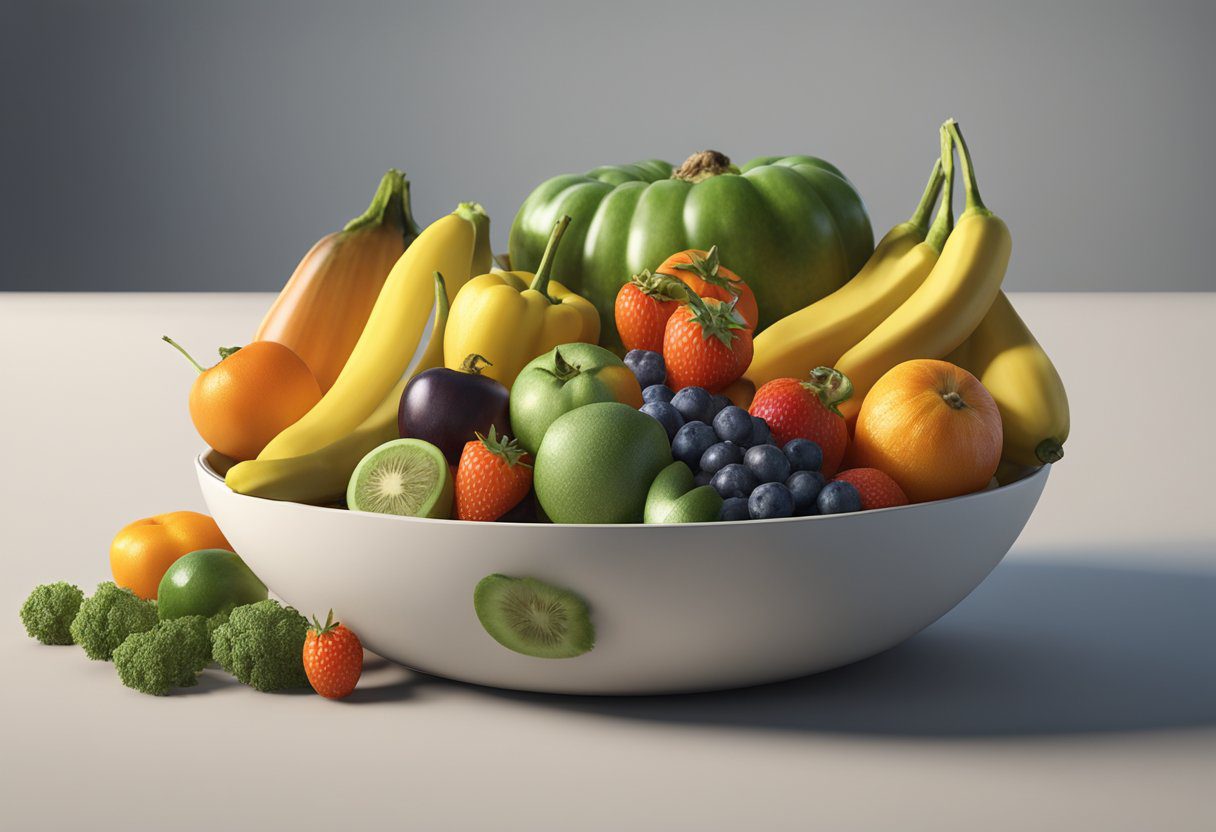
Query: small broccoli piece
{"points": [[170, 655], [108, 617], [47, 614], [262, 645]]}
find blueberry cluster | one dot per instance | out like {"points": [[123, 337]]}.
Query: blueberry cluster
{"points": [[733, 451]]}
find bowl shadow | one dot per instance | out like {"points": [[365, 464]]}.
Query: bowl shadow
{"points": [[1038, 648]]}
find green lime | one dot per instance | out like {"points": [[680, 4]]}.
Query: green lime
{"points": [[406, 476], [206, 582]]}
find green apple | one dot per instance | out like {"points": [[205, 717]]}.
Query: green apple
{"points": [[674, 497]]}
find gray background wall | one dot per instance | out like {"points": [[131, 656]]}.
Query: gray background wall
{"points": [[163, 145]]}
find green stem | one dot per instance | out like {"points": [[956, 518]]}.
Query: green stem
{"points": [[943, 223], [391, 204], [441, 298], [182, 350], [473, 363], [540, 282], [831, 386], [975, 205], [563, 370], [1049, 450], [920, 217]]}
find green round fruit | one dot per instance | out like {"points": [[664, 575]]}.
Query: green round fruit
{"points": [[596, 463], [408, 477], [206, 582]]}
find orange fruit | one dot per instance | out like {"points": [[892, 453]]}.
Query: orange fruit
{"points": [[932, 427], [143, 551]]}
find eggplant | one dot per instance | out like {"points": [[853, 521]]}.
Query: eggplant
{"points": [[448, 407]]}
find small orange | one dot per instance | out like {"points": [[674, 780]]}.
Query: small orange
{"points": [[932, 427], [250, 396], [144, 550]]}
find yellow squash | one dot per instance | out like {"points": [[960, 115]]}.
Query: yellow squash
{"points": [[509, 318], [817, 335], [393, 331], [951, 301]]}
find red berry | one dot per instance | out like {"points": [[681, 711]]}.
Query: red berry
{"points": [[877, 490], [642, 310], [492, 478], [807, 409], [333, 658], [706, 344]]}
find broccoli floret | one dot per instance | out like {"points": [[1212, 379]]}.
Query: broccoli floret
{"points": [[262, 645], [47, 614], [170, 655], [108, 617]]}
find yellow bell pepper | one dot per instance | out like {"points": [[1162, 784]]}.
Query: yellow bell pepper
{"points": [[509, 318]]}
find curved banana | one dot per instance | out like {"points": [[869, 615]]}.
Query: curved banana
{"points": [[1005, 356], [390, 338], [819, 334], [321, 476], [954, 298]]}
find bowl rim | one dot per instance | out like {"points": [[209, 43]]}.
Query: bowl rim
{"points": [[1030, 480]]}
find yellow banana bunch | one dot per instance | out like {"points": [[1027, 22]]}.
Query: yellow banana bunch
{"points": [[819, 334], [321, 477], [1005, 356], [391, 336], [946, 308]]}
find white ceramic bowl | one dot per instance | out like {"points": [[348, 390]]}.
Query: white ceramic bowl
{"points": [[676, 608]]}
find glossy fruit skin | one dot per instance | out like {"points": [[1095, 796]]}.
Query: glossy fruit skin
{"points": [[691, 442], [448, 407], [668, 416], [768, 462], [696, 360], [761, 435], [547, 388], [838, 497], [333, 659], [909, 429], [647, 366], [736, 480], [734, 424], [658, 393], [734, 508], [803, 454], [746, 303], [793, 227], [641, 318], [488, 485], [143, 550], [207, 582], [877, 490], [247, 399], [805, 486], [719, 455], [793, 411], [693, 403], [770, 500], [596, 464]]}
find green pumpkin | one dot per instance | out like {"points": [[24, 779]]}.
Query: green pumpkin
{"points": [[793, 227]]}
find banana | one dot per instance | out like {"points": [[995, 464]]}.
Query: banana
{"points": [[1005, 356], [390, 338], [321, 476], [817, 335], [948, 306]]}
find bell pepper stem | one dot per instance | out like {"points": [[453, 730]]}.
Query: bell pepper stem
{"points": [[182, 350], [975, 205], [390, 204], [473, 364], [943, 223], [540, 282], [920, 217]]}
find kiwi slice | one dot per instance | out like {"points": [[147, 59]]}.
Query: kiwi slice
{"points": [[533, 617], [405, 476]]}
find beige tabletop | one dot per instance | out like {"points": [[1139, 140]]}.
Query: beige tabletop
{"points": [[1075, 689]]}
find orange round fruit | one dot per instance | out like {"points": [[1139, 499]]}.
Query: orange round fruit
{"points": [[144, 550], [932, 427]]}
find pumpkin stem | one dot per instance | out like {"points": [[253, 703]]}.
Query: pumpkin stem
{"points": [[954, 400], [831, 386], [703, 165]]}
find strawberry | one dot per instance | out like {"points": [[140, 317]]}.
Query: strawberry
{"points": [[705, 276], [333, 658], [877, 490], [642, 310], [706, 344], [492, 477], [807, 409]]}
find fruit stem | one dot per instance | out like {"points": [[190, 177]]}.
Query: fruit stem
{"points": [[442, 306], [391, 203], [954, 400], [473, 364], [920, 217], [540, 282], [563, 370], [182, 350], [832, 387], [702, 165], [943, 223], [706, 268], [323, 629], [1049, 450], [975, 205]]}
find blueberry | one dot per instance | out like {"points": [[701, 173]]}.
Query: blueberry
{"points": [[657, 393], [734, 508], [735, 480], [719, 455], [702, 478], [838, 497], [716, 404], [804, 455], [761, 435], [668, 416], [647, 365], [767, 462], [805, 486], [693, 404], [770, 499], [734, 424], [691, 441]]}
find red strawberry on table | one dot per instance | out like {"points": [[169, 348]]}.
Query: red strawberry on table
{"points": [[707, 344], [333, 658], [642, 310], [492, 477], [808, 409], [877, 490]]}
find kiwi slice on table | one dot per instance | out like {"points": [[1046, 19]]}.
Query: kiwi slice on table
{"points": [[405, 476], [533, 617]]}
